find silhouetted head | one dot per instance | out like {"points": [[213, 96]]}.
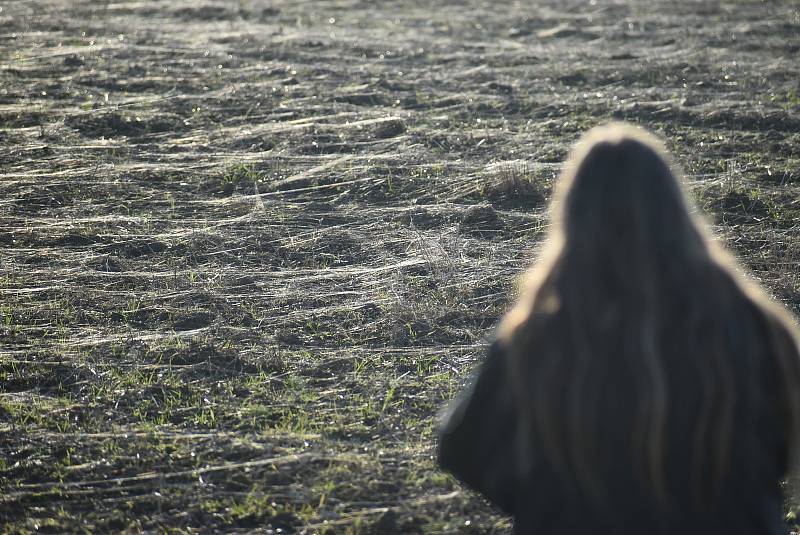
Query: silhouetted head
{"points": [[622, 351], [617, 193]]}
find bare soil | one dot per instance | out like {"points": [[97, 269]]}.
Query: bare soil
{"points": [[249, 249]]}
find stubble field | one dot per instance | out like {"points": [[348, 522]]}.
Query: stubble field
{"points": [[248, 250]]}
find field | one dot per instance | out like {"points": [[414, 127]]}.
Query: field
{"points": [[249, 250]]}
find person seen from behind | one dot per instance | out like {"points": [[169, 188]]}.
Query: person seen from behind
{"points": [[641, 384]]}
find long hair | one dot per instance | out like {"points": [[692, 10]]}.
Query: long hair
{"points": [[636, 328]]}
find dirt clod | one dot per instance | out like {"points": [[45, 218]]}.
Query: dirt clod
{"points": [[482, 220]]}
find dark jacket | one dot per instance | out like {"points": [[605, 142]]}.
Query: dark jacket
{"points": [[479, 445]]}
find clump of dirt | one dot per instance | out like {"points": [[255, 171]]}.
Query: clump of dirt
{"points": [[73, 61], [482, 220], [72, 239], [332, 248], [135, 248], [205, 13], [188, 321], [738, 201], [46, 378], [113, 124], [423, 218], [389, 129], [738, 206], [110, 264], [39, 198], [362, 99]]}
